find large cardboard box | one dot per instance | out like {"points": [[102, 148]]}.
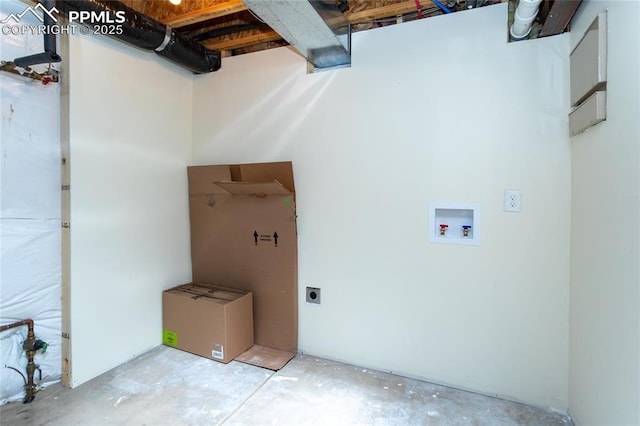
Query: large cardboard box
{"points": [[208, 320], [243, 234]]}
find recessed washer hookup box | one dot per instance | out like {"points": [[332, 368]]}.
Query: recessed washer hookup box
{"points": [[208, 320]]}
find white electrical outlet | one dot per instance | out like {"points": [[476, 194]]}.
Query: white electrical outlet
{"points": [[512, 201]]}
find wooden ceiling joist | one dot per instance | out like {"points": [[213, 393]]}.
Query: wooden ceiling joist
{"points": [[228, 25], [387, 11], [221, 9], [559, 17], [253, 37]]}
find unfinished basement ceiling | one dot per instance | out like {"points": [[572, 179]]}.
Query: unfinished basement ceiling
{"points": [[232, 28]]}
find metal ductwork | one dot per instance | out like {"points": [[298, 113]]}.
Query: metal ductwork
{"points": [[146, 33], [315, 28]]}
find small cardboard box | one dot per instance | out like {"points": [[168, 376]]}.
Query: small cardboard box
{"points": [[243, 234], [208, 320]]}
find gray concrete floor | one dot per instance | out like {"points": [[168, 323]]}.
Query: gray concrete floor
{"points": [[169, 387]]}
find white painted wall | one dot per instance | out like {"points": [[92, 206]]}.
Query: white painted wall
{"points": [[604, 384], [130, 143], [456, 115]]}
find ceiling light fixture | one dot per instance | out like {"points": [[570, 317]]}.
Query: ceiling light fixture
{"points": [[176, 2]]}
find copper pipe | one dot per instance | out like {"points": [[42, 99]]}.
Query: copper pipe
{"points": [[27, 322], [28, 346]]}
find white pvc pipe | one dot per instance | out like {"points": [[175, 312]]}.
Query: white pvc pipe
{"points": [[523, 18], [528, 8]]}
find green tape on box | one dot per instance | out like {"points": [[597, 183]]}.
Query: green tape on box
{"points": [[170, 338]]}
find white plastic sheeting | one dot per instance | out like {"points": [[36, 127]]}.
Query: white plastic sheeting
{"points": [[30, 266]]}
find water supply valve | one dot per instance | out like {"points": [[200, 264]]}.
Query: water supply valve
{"points": [[443, 228], [39, 344], [34, 345], [465, 230]]}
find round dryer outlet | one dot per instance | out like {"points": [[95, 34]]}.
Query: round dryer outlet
{"points": [[313, 295]]}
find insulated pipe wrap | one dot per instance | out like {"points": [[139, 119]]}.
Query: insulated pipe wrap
{"points": [[149, 34], [183, 50]]}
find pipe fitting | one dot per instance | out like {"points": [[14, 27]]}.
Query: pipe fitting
{"points": [[31, 345]]}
